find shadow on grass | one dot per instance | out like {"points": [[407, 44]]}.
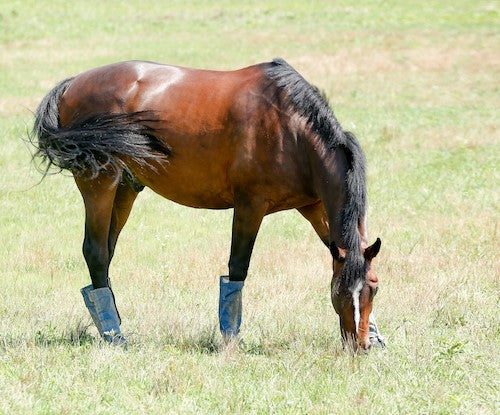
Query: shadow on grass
{"points": [[206, 341], [77, 336], [50, 336], [274, 342]]}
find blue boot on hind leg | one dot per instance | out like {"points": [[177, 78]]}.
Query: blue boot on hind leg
{"points": [[101, 304], [230, 308]]}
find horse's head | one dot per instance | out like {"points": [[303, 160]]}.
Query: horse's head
{"points": [[354, 284]]}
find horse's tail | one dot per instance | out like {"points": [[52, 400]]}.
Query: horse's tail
{"points": [[95, 143]]}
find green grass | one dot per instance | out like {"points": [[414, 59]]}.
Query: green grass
{"points": [[416, 81]]}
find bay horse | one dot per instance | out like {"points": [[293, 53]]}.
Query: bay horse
{"points": [[260, 140]]}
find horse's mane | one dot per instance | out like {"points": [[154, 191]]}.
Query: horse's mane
{"points": [[307, 101]]}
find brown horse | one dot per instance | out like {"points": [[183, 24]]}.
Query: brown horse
{"points": [[260, 140]]}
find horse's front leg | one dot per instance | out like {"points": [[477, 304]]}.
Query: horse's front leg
{"points": [[246, 222]]}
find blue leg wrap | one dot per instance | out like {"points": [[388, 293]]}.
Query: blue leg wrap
{"points": [[90, 306], [101, 305], [230, 307]]}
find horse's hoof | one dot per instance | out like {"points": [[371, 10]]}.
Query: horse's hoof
{"points": [[117, 341], [378, 342]]}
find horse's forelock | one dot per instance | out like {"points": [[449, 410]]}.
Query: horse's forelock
{"points": [[354, 271]]}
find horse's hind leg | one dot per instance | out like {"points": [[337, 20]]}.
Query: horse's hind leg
{"points": [[99, 198], [124, 200]]}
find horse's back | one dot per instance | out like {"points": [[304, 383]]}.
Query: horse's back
{"points": [[133, 86]]}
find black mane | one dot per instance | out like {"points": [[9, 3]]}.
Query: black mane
{"points": [[307, 100]]}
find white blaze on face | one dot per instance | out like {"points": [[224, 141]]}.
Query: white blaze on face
{"points": [[355, 302]]}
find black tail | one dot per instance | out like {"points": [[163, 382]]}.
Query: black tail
{"points": [[90, 145]]}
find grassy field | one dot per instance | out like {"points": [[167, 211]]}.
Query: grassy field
{"points": [[418, 82]]}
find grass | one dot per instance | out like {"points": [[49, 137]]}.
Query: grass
{"points": [[417, 82]]}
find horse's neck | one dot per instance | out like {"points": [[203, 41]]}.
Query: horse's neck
{"points": [[328, 168], [328, 175]]}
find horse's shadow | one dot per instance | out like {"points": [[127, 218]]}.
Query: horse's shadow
{"points": [[205, 341], [49, 336]]}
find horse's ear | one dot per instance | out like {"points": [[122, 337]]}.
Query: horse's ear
{"points": [[335, 251], [372, 251]]}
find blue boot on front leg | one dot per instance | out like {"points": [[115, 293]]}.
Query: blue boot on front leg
{"points": [[376, 339], [230, 308], [101, 305]]}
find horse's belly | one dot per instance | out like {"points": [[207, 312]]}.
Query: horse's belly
{"points": [[186, 194], [190, 181]]}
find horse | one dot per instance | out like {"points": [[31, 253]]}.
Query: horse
{"points": [[259, 140]]}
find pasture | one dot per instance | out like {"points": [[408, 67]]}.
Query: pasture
{"points": [[417, 82]]}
